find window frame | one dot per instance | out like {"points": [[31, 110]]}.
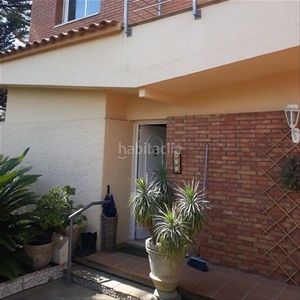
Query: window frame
{"points": [[66, 7]]}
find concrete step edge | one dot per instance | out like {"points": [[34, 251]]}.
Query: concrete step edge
{"points": [[101, 281]]}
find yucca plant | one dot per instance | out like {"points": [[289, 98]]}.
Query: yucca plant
{"points": [[191, 204], [172, 215], [172, 231], [144, 203], [15, 221]]}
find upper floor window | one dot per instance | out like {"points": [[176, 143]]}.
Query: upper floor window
{"points": [[76, 9]]}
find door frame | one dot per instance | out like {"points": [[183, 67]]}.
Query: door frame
{"points": [[137, 124]]}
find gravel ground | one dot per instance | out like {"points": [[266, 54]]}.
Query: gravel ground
{"points": [[59, 290]]}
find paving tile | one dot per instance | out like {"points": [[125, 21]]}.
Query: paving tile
{"points": [[111, 283], [218, 282], [98, 257], [221, 279], [249, 277], [191, 277], [285, 295], [141, 259], [230, 273], [125, 288], [144, 293], [227, 293], [206, 288], [113, 261], [266, 291], [293, 288], [142, 271], [130, 265], [241, 284], [252, 296], [273, 283]]}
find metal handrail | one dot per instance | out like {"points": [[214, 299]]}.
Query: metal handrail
{"points": [[71, 219], [196, 12], [158, 6]]}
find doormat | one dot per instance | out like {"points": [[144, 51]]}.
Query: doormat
{"points": [[135, 251]]}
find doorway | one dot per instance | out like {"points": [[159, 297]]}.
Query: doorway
{"points": [[150, 153]]}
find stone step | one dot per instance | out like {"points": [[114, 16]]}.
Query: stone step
{"points": [[109, 284]]}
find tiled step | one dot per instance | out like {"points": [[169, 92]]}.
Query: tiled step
{"points": [[126, 266], [109, 284], [137, 269], [218, 283]]}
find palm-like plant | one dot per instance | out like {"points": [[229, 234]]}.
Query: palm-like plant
{"points": [[191, 204], [164, 185], [172, 215], [171, 231], [144, 203], [15, 221]]}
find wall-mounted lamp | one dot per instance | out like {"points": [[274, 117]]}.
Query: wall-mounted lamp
{"points": [[292, 113]]}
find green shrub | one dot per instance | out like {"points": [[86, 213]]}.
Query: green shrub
{"points": [[290, 174], [54, 208], [15, 221]]}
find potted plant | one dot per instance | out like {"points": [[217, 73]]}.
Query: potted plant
{"points": [[173, 216], [51, 214], [79, 222], [15, 220]]}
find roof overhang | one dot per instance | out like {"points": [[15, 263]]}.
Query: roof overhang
{"points": [[93, 31]]}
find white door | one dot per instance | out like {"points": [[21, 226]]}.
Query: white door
{"points": [[151, 154]]}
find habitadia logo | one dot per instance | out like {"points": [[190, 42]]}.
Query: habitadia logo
{"points": [[146, 148]]}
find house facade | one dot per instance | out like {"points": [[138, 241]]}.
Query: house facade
{"points": [[92, 90]]}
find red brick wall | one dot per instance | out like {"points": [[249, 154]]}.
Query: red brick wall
{"points": [[47, 14], [234, 235]]}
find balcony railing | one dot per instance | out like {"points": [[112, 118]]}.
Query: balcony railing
{"points": [[140, 10]]}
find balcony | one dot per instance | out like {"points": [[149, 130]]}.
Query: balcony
{"points": [[168, 50], [141, 11]]}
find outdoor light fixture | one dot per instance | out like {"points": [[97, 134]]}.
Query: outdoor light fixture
{"points": [[292, 117]]}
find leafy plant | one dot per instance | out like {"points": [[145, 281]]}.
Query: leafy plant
{"points": [[144, 204], [51, 209], [15, 221], [54, 208], [290, 174], [67, 192], [172, 215]]}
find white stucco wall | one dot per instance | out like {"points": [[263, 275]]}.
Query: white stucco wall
{"points": [[228, 32], [49, 104], [63, 152]]}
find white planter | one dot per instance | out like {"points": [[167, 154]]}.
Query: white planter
{"points": [[77, 230], [165, 272], [60, 248]]}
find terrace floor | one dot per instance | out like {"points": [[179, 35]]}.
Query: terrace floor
{"points": [[218, 283]]}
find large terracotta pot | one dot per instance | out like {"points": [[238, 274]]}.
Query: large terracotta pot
{"points": [[165, 272], [40, 254]]}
